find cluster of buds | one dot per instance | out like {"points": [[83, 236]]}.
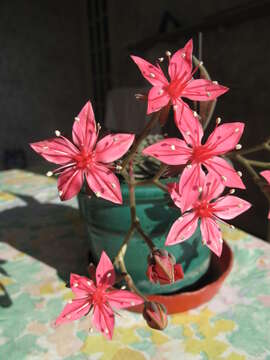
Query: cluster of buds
{"points": [[162, 267]]}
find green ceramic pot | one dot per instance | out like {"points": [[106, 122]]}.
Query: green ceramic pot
{"points": [[107, 225]]}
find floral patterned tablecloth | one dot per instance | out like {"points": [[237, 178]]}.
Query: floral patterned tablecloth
{"points": [[43, 240]]}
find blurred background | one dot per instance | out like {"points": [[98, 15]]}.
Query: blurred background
{"points": [[55, 55]]}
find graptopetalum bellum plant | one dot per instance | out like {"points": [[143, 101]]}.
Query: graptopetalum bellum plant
{"points": [[93, 161]]}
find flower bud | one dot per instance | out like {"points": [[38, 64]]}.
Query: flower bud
{"points": [[155, 315], [162, 268]]}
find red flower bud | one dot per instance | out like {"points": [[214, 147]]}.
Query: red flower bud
{"points": [[162, 268], [155, 315]]}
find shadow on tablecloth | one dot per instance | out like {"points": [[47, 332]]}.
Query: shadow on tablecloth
{"points": [[51, 233]]}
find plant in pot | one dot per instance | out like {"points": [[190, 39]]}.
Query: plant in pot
{"points": [[153, 214], [173, 188]]}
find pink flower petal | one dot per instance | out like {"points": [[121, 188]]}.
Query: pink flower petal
{"points": [[84, 133], [56, 150], [212, 187], [169, 151], [225, 137], [181, 63], [81, 286], [228, 175], [121, 299], [266, 175], [105, 274], [113, 147], [69, 183], [228, 207], [74, 311], [182, 229], [104, 183], [173, 189], [211, 235], [103, 320], [157, 98], [203, 90], [191, 180], [152, 73], [189, 125]]}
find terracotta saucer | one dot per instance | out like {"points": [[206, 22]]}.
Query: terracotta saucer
{"points": [[200, 292]]}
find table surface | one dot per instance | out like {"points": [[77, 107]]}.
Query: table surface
{"points": [[43, 240]]}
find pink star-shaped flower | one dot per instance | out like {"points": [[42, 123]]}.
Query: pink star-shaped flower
{"points": [[98, 296], [181, 84], [208, 211], [86, 158], [191, 151], [266, 175]]}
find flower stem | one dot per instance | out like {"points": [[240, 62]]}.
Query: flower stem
{"points": [[128, 175], [260, 164], [144, 133], [123, 248], [132, 199], [249, 164], [264, 146], [128, 278], [148, 241], [155, 179], [161, 170], [161, 186]]}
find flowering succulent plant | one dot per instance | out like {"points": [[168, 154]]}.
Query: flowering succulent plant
{"points": [[205, 174]]}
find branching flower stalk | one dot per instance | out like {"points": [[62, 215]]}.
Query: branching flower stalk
{"points": [[146, 131], [250, 165], [135, 222]]}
